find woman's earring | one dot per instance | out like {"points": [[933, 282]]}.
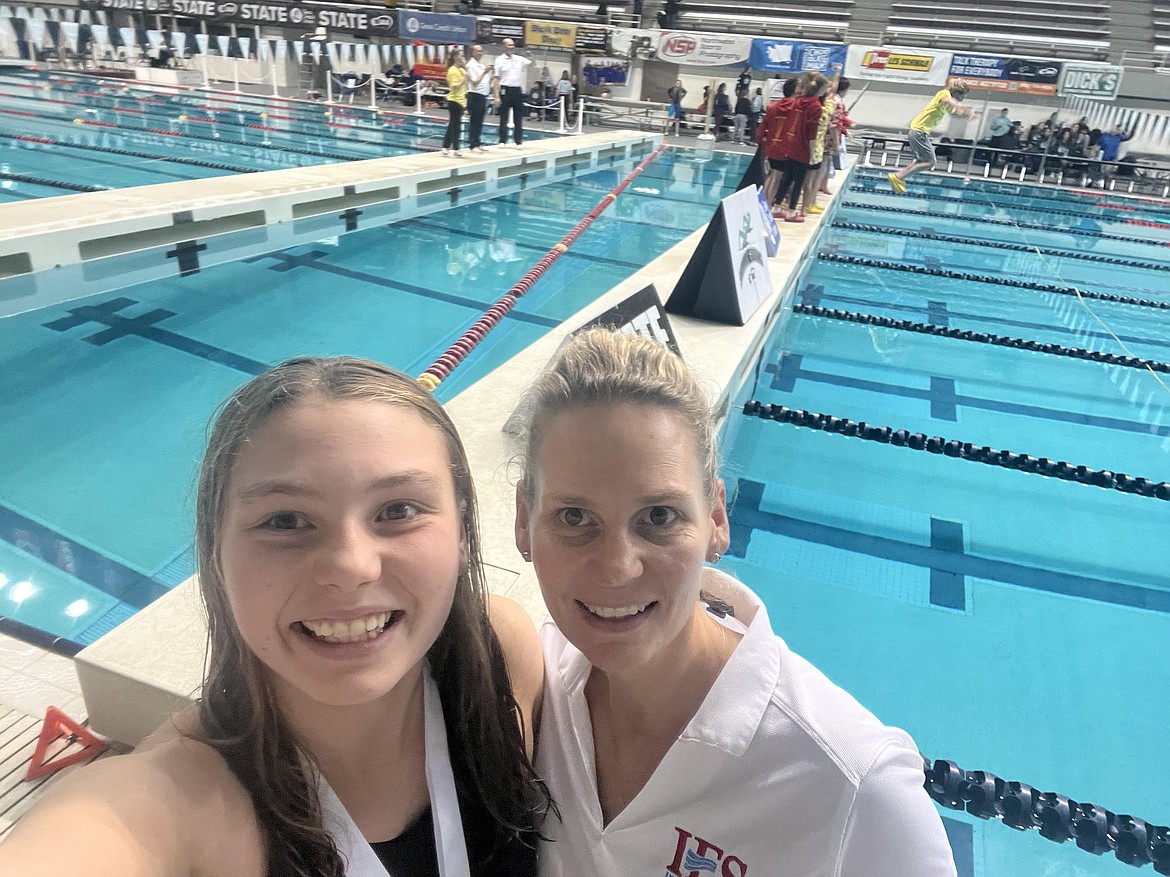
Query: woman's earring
{"points": [[715, 557], [527, 557]]}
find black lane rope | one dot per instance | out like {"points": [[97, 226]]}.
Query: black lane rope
{"points": [[1048, 211], [983, 338], [919, 441], [1057, 817], [990, 278], [1000, 245], [1014, 223], [1126, 206], [130, 153], [56, 184]]}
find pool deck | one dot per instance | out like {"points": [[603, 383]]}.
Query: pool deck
{"points": [[134, 678]]}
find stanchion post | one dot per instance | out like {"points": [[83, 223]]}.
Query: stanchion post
{"points": [[561, 108], [580, 115], [272, 65], [373, 91], [418, 87]]}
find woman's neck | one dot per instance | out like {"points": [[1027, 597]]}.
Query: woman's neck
{"points": [[638, 713]]}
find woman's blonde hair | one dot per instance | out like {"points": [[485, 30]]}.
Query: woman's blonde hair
{"points": [[605, 367], [238, 710]]}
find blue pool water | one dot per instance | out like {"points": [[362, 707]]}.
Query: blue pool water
{"points": [[92, 134], [107, 398], [1011, 622]]}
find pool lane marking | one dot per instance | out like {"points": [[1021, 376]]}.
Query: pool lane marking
{"points": [[944, 402], [746, 517]]}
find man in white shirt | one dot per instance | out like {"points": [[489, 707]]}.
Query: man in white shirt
{"points": [[509, 76], [479, 87]]}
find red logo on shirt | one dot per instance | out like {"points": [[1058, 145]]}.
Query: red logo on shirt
{"points": [[694, 856]]}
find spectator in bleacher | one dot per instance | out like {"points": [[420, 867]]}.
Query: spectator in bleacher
{"points": [[508, 79], [945, 101], [674, 113], [456, 101], [1000, 126], [787, 134], [721, 110], [1109, 143]]}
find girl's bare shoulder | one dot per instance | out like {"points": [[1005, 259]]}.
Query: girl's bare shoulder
{"points": [[173, 807]]}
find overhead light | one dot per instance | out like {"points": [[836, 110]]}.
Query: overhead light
{"points": [[3, 580], [77, 608], [21, 591]]}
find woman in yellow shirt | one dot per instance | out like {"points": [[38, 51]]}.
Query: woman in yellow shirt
{"points": [[456, 101]]}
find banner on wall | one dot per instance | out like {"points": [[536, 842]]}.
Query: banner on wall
{"points": [[162, 7], [704, 49], [433, 27], [795, 56], [634, 42], [886, 64], [591, 40], [496, 30], [1090, 80], [1019, 75], [606, 71], [550, 33]]}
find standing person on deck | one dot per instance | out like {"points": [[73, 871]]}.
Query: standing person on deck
{"points": [[945, 100], [511, 70], [679, 734], [479, 89], [456, 101]]}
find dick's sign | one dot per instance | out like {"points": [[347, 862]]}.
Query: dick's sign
{"points": [[1103, 83]]}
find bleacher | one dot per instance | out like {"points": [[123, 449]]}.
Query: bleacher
{"points": [[1069, 28], [822, 20]]}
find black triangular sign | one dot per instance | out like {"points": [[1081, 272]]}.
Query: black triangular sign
{"points": [[757, 171]]}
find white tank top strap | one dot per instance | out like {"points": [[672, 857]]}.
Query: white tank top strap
{"points": [[450, 846]]}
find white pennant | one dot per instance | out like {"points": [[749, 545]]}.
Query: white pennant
{"points": [[334, 56], [71, 30], [398, 54], [282, 51], [36, 32], [262, 49], [154, 38], [224, 43], [298, 47], [245, 46], [385, 49], [202, 40], [409, 50], [129, 37], [179, 42], [315, 51]]}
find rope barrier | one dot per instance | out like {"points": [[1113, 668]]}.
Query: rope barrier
{"points": [[999, 245], [1058, 818], [457, 352], [56, 184], [1014, 223], [983, 338], [918, 441], [990, 278]]}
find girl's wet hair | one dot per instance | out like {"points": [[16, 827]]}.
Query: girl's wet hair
{"points": [[238, 711]]}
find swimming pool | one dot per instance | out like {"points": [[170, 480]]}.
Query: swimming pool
{"points": [[92, 133], [106, 398], [1011, 622]]}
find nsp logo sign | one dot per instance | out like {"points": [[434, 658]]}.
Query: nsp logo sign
{"points": [[1103, 83], [679, 46]]}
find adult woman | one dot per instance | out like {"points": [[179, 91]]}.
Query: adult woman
{"points": [[356, 718], [678, 738], [721, 110], [456, 101], [564, 91]]}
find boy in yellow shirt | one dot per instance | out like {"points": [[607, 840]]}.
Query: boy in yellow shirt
{"points": [[946, 100]]}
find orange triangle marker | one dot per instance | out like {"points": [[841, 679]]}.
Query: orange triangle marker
{"points": [[58, 725]]}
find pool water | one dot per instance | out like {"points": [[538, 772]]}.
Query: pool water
{"points": [[95, 134], [107, 398], [1010, 622]]}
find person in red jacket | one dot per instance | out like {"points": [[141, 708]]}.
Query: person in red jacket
{"points": [[787, 133]]}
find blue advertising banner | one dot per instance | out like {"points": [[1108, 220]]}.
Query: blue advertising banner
{"points": [[793, 56], [431, 27]]}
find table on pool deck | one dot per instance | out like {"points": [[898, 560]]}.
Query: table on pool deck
{"points": [[149, 667]]}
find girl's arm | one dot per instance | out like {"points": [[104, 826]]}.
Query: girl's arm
{"points": [[525, 659]]}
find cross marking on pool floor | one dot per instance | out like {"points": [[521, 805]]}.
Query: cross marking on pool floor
{"points": [[945, 557], [144, 327]]}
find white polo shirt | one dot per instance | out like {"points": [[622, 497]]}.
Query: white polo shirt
{"points": [[474, 69], [511, 71], [779, 773]]}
